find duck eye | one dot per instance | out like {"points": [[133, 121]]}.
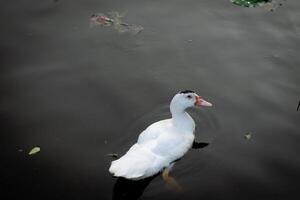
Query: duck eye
{"points": [[189, 96]]}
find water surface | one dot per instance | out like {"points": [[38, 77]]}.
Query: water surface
{"points": [[81, 93]]}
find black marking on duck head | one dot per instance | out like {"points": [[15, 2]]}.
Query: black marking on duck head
{"points": [[186, 91]]}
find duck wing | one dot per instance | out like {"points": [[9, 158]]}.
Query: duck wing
{"points": [[141, 161], [153, 131]]}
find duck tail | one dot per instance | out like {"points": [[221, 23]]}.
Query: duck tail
{"points": [[134, 164]]}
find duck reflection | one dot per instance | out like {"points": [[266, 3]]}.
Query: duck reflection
{"points": [[199, 145], [125, 189]]}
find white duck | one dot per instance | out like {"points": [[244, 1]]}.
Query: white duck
{"points": [[161, 143]]}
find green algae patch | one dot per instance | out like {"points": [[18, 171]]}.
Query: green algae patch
{"points": [[249, 3], [270, 5]]}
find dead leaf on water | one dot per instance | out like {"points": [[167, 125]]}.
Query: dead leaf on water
{"points": [[34, 150]]}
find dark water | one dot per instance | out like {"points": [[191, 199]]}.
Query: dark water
{"points": [[81, 93]]}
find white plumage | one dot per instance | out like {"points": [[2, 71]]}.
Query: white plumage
{"points": [[162, 142]]}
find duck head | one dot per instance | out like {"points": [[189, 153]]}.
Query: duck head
{"points": [[186, 99]]}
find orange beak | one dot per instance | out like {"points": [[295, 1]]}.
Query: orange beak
{"points": [[201, 102]]}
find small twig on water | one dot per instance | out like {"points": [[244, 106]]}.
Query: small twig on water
{"points": [[298, 106], [113, 155]]}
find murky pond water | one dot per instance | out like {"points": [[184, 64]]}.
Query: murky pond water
{"points": [[80, 93]]}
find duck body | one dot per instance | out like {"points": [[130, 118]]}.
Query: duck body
{"points": [[158, 146]]}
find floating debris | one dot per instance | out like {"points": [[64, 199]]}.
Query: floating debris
{"points": [[114, 19], [114, 155], [34, 150], [298, 106], [100, 19], [270, 5], [248, 136]]}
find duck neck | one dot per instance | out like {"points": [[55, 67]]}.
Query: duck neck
{"points": [[182, 119]]}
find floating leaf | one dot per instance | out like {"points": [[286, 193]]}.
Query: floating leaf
{"points": [[248, 136], [34, 150]]}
